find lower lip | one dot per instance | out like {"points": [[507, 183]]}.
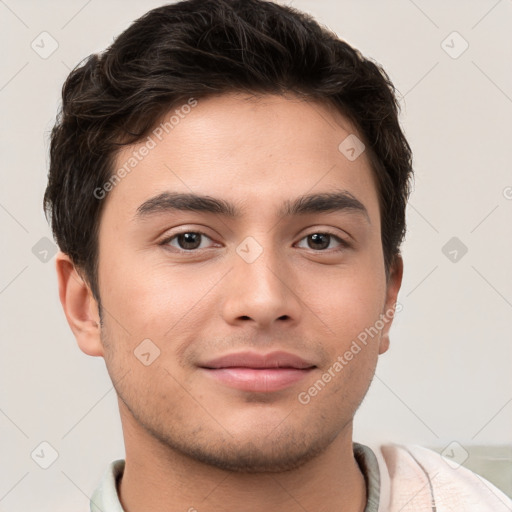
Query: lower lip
{"points": [[258, 380]]}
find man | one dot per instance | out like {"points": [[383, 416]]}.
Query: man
{"points": [[227, 185]]}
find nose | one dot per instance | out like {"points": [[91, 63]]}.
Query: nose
{"points": [[261, 291]]}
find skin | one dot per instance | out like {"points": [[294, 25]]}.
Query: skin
{"points": [[194, 442]]}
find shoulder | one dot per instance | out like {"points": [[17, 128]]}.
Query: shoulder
{"points": [[105, 497], [414, 478]]}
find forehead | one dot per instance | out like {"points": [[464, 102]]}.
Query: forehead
{"points": [[254, 151]]}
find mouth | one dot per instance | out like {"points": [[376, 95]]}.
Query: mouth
{"points": [[263, 373]]}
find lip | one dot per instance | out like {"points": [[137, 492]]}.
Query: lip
{"points": [[258, 380], [251, 371], [272, 360]]}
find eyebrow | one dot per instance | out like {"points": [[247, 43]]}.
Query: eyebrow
{"points": [[338, 201]]}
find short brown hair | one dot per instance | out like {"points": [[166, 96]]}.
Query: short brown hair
{"points": [[199, 48]]}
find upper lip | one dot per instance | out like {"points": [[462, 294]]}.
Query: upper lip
{"points": [[276, 359]]}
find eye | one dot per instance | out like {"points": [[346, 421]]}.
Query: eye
{"points": [[322, 240], [186, 240], [190, 241]]}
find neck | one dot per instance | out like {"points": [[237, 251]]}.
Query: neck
{"points": [[157, 479]]}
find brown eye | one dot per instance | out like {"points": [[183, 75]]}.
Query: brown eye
{"points": [[189, 240], [186, 241], [320, 241]]}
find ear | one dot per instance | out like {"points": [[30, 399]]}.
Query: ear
{"points": [[393, 286], [80, 307]]}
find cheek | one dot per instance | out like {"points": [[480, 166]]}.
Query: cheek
{"points": [[150, 299], [347, 300]]}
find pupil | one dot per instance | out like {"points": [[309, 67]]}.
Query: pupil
{"points": [[317, 238], [187, 239]]}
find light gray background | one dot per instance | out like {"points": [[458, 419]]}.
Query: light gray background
{"points": [[446, 377]]}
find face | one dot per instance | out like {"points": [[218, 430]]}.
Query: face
{"points": [[180, 287]]}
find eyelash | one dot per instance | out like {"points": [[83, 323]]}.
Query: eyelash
{"points": [[343, 243]]}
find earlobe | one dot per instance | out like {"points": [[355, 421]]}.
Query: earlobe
{"points": [[80, 307], [384, 344]]}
